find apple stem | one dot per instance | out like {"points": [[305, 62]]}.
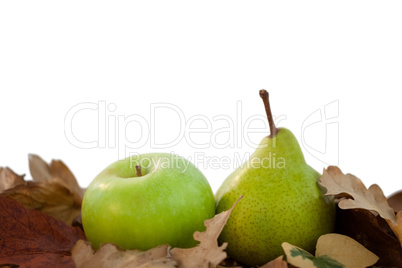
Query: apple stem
{"points": [[138, 170], [265, 98]]}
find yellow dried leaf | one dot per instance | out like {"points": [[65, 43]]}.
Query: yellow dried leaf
{"points": [[358, 196], [345, 250], [9, 179], [109, 255], [208, 253]]}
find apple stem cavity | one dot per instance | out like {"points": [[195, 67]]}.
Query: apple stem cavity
{"points": [[265, 98], [138, 170]]}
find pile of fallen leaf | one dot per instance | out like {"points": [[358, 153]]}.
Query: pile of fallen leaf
{"points": [[40, 226]]}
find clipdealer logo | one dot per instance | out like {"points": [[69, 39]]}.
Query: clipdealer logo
{"points": [[113, 132]]}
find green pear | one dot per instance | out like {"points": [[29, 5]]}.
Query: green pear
{"points": [[282, 200]]}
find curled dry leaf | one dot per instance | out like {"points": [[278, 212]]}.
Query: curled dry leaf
{"points": [[208, 253], [372, 232], [345, 250], [48, 197], [109, 255], [30, 238], [54, 190], [358, 196], [56, 171], [277, 263], [9, 179]]}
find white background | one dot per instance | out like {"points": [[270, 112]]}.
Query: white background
{"points": [[204, 58]]}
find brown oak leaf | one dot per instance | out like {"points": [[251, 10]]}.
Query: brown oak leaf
{"points": [[109, 255], [30, 238], [54, 190], [356, 195], [208, 253], [9, 179]]}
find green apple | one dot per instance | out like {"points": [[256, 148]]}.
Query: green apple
{"points": [[147, 200]]}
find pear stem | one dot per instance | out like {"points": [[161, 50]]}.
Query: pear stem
{"points": [[265, 98], [138, 170]]}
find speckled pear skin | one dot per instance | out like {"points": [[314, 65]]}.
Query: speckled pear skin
{"points": [[282, 202]]}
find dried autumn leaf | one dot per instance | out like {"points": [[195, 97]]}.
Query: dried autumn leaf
{"points": [[277, 263], [30, 238], [228, 262], [9, 179], [345, 250], [40, 170], [208, 252], [332, 251], [54, 190], [57, 171], [303, 259], [109, 255], [372, 232], [395, 201], [398, 227], [373, 199], [48, 197]]}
